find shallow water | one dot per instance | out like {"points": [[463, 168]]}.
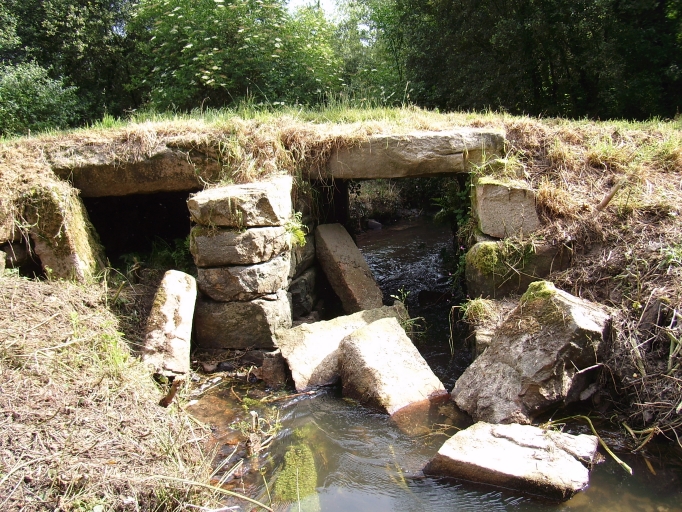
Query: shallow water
{"points": [[368, 462]]}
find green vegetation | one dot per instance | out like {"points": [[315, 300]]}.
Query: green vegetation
{"points": [[601, 59], [298, 478]]}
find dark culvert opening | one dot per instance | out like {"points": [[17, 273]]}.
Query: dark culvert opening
{"points": [[142, 227]]}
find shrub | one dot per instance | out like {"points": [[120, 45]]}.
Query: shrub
{"points": [[31, 100]]}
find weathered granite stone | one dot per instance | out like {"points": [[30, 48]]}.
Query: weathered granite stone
{"points": [[381, 367], [497, 269], [166, 346], [241, 324], [220, 247], [274, 369], [504, 208], [484, 330], [415, 154], [266, 203], [62, 235], [302, 291], [545, 353], [346, 269], [97, 172], [245, 282], [312, 350], [534, 461], [302, 256]]}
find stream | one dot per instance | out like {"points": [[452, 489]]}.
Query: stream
{"points": [[365, 461]]}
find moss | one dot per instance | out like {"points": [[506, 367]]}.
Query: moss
{"points": [[486, 257], [298, 479], [538, 290]]}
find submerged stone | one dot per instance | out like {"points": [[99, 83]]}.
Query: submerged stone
{"points": [[380, 366], [540, 462], [312, 350]]}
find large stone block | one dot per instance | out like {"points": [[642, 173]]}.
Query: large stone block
{"points": [[221, 247], [266, 203], [312, 350], [534, 461], [381, 367], [245, 282], [166, 346], [504, 208], [62, 235], [544, 354], [346, 269], [239, 325], [415, 154], [496, 269]]}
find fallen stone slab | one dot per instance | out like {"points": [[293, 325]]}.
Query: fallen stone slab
{"points": [[63, 238], [415, 154], [244, 283], [545, 353], [312, 350], [381, 367], [221, 247], [346, 269], [241, 324], [166, 347], [528, 459], [504, 208], [497, 269], [303, 295], [266, 203]]}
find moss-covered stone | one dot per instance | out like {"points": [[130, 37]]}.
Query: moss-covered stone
{"points": [[538, 290], [486, 257], [63, 237], [298, 478]]}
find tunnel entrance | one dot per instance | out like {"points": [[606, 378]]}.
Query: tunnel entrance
{"points": [[134, 226]]}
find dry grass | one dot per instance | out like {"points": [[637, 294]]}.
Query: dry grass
{"points": [[79, 420]]}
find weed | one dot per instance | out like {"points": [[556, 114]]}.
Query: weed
{"points": [[296, 229]]}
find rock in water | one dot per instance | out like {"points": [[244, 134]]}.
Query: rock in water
{"points": [[169, 328], [521, 457], [312, 350], [546, 352], [346, 269], [380, 366]]}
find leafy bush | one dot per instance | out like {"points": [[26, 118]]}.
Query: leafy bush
{"points": [[31, 100]]}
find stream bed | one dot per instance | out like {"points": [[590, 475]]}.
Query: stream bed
{"points": [[363, 461]]}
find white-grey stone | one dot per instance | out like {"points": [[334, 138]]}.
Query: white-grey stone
{"points": [[312, 350], [166, 346], [546, 352], [239, 325], [380, 366], [221, 247], [265, 203], [521, 457], [346, 269], [415, 154], [505, 208], [245, 282]]}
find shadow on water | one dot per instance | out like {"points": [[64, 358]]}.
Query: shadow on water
{"points": [[362, 460]]}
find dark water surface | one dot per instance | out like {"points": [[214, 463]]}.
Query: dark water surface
{"points": [[368, 462]]}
